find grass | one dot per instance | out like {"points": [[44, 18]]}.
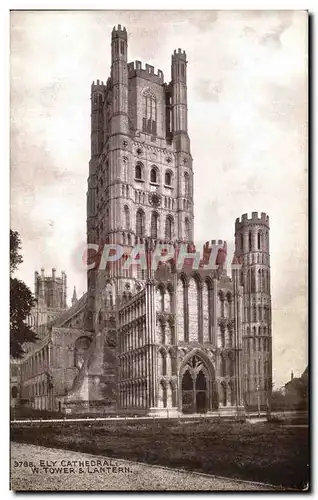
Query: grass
{"points": [[264, 452], [25, 412]]}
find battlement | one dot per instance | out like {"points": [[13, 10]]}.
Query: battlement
{"points": [[49, 277], [135, 69], [120, 32], [179, 55], [208, 245], [98, 86], [254, 219], [218, 242]]}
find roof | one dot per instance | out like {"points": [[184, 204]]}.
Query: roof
{"points": [[72, 311]]}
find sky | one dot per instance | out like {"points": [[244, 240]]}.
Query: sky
{"points": [[247, 116]]}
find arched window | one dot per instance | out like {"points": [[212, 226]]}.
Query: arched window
{"points": [[169, 228], [125, 169], [259, 280], [221, 302], [250, 241], [163, 390], [253, 280], [224, 394], [154, 225], [186, 229], [140, 223], [248, 280], [186, 184], [106, 173], [231, 367], [263, 288], [162, 332], [161, 363], [138, 171], [153, 175], [126, 217], [254, 312], [168, 178], [149, 113], [222, 366], [241, 239], [259, 240]]}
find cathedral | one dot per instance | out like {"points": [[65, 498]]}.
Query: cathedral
{"points": [[144, 340]]}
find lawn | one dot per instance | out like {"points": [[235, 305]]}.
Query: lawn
{"points": [[265, 452]]}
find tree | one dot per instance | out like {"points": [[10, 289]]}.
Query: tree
{"points": [[15, 246], [278, 400], [21, 303], [297, 392]]}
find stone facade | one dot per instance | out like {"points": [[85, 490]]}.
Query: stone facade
{"points": [[160, 342], [15, 383], [50, 294], [48, 369]]}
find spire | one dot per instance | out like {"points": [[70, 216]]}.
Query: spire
{"points": [[74, 298]]}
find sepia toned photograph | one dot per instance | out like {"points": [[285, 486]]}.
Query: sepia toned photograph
{"points": [[159, 250]]}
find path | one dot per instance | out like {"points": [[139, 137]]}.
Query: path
{"points": [[60, 470]]}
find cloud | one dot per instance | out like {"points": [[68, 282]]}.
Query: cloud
{"points": [[207, 90], [202, 20], [285, 104], [272, 39], [32, 164]]}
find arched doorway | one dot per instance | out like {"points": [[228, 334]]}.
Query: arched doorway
{"points": [[201, 393], [187, 393], [196, 386]]}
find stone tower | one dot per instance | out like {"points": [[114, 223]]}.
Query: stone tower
{"points": [[252, 250], [50, 293], [140, 185]]}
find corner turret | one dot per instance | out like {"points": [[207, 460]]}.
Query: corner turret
{"points": [[119, 32], [252, 250], [179, 92]]}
